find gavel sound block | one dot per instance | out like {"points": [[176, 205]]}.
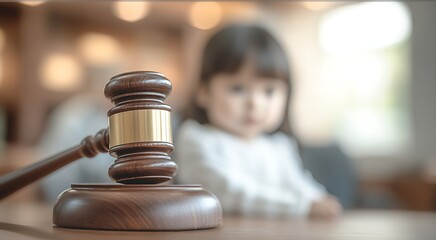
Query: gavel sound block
{"points": [[140, 137]]}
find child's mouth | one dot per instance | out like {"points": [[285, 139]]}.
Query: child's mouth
{"points": [[251, 121]]}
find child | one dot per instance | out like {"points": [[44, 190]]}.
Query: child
{"points": [[235, 142]]}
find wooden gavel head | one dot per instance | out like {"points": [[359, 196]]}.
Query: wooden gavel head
{"points": [[140, 134]]}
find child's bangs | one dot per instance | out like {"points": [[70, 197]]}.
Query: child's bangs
{"points": [[230, 49], [271, 63], [266, 54]]}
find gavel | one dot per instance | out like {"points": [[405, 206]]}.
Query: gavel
{"points": [[140, 137]]}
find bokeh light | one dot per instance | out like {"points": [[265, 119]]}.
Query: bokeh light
{"points": [[32, 3], [131, 11], [205, 15], [61, 72], [316, 6], [98, 49]]}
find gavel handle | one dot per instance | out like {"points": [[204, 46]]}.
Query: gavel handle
{"points": [[89, 147]]}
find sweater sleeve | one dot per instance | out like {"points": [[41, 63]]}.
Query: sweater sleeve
{"points": [[307, 183], [200, 161]]}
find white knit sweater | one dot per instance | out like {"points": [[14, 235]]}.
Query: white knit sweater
{"points": [[259, 177]]}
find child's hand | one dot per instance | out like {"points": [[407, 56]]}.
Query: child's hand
{"points": [[325, 208]]}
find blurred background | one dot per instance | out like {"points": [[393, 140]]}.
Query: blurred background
{"points": [[364, 76]]}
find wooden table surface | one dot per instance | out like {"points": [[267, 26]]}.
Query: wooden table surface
{"points": [[33, 221]]}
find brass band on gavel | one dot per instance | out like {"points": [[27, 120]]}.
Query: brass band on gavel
{"points": [[143, 125]]}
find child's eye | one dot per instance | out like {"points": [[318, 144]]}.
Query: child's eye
{"points": [[269, 91], [237, 89]]}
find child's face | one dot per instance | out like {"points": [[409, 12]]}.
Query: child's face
{"points": [[243, 103]]}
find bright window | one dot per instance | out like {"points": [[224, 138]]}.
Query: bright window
{"points": [[365, 72]]}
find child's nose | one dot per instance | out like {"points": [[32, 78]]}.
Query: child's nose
{"points": [[254, 101]]}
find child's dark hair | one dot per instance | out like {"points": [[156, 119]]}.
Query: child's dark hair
{"points": [[228, 50]]}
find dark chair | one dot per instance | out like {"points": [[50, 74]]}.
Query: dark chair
{"points": [[331, 167]]}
